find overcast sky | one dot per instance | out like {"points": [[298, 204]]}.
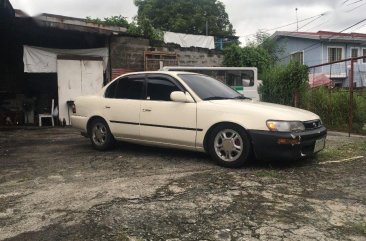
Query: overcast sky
{"points": [[247, 16]]}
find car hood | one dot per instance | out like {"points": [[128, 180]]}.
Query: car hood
{"points": [[266, 110]]}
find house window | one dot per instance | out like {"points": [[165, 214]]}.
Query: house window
{"points": [[334, 54], [298, 57], [364, 54], [354, 53]]}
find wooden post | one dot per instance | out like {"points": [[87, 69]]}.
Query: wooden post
{"points": [[295, 98], [350, 113]]}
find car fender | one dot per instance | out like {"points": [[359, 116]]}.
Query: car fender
{"points": [[207, 119]]}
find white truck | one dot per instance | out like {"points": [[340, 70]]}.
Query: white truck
{"points": [[242, 79]]}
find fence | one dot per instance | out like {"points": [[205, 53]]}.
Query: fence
{"points": [[338, 94]]}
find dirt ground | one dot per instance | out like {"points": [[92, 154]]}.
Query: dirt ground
{"points": [[54, 186]]}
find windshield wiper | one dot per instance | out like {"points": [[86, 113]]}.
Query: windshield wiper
{"points": [[216, 98], [242, 97]]}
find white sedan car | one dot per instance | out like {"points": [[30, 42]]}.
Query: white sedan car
{"points": [[196, 112]]}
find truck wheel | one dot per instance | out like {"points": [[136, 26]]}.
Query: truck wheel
{"points": [[229, 145], [100, 135]]}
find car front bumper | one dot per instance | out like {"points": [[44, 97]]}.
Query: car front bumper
{"points": [[266, 144]]}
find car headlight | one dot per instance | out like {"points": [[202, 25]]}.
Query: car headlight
{"points": [[285, 126]]}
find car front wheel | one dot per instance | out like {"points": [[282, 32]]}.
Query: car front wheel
{"points": [[100, 135], [229, 145]]}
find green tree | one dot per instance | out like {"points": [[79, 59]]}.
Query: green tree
{"points": [[185, 16], [264, 40], [145, 29], [111, 21], [249, 56], [142, 28], [262, 53], [233, 56]]}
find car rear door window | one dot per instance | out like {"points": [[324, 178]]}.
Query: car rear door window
{"points": [[111, 90], [130, 88], [159, 88]]}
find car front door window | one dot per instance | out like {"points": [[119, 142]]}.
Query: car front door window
{"points": [[159, 88]]}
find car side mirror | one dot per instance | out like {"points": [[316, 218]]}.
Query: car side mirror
{"points": [[179, 96]]}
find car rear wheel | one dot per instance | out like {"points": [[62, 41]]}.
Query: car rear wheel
{"points": [[100, 135], [229, 145]]}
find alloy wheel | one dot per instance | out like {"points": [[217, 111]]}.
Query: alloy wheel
{"points": [[228, 145]]}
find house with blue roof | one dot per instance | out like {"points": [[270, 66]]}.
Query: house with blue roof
{"points": [[326, 47]]}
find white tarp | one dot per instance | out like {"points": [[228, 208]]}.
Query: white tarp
{"points": [[189, 40], [44, 60]]}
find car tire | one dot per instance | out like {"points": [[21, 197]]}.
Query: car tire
{"points": [[100, 135], [229, 145]]}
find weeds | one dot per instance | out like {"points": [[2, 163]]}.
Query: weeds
{"points": [[332, 105]]}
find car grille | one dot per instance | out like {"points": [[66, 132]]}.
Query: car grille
{"points": [[311, 125]]}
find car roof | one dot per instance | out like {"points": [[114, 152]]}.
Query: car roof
{"points": [[161, 72]]}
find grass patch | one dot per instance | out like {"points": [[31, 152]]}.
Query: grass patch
{"points": [[123, 237], [268, 173], [337, 152], [357, 228]]}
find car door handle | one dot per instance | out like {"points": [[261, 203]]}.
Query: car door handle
{"points": [[146, 110], [107, 107]]}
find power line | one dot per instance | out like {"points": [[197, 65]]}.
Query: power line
{"points": [[293, 23], [325, 13], [359, 27], [345, 2], [311, 21], [356, 7], [318, 25], [309, 18], [354, 2], [300, 21]]}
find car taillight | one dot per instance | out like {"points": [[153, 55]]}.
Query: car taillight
{"points": [[73, 108]]}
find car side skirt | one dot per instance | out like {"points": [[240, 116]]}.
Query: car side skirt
{"points": [[160, 144]]}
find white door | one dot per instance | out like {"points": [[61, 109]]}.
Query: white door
{"points": [[122, 106], [91, 77], [76, 78], [163, 120]]}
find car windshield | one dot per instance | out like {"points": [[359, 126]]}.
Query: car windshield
{"points": [[208, 88]]}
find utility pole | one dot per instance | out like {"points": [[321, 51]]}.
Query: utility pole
{"points": [[205, 14], [206, 27], [297, 21]]}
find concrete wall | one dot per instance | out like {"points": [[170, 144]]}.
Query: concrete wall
{"points": [[127, 53], [199, 57]]}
